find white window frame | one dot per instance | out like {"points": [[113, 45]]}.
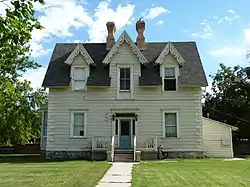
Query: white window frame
{"points": [[43, 124], [163, 77], [163, 125], [72, 124], [73, 77], [131, 77]]}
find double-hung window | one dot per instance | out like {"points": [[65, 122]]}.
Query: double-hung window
{"points": [[44, 123], [125, 80], [78, 124], [171, 124], [170, 80], [79, 78]]}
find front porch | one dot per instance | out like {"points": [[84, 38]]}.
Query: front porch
{"points": [[141, 148]]}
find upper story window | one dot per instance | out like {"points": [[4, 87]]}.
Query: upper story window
{"points": [[125, 80], [79, 78], [170, 79]]}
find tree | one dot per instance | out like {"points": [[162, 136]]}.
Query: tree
{"points": [[19, 103], [230, 99]]}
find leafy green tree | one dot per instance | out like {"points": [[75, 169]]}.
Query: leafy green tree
{"points": [[230, 99], [19, 103]]}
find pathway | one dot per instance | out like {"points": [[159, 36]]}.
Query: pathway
{"points": [[119, 175]]}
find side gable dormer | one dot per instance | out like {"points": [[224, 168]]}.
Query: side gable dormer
{"points": [[80, 62], [170, 62]]}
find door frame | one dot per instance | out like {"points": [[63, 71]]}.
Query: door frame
{"points": [[119, 130]]}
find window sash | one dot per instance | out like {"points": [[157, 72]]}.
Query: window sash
{"points": [[171, 124], [170, 84], [125, 79], [79, 74], [44, 124], [170, 73], [78, 124]]}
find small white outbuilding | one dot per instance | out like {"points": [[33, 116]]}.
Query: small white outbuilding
{"points": [[217, 138]]}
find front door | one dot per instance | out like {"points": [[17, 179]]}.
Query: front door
{"points": [[125, 134]]}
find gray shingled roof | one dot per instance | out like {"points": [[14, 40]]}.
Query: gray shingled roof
{"points": [[58, 73]]}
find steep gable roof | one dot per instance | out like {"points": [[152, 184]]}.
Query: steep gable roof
{"points": [[169, 48], [124, 38], [58, 73], [79, 49]]}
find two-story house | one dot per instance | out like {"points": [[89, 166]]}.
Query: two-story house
{"points": [[123, 97]]}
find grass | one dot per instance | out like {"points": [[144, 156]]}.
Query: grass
{"points": [[30, 170], [192, 173]]}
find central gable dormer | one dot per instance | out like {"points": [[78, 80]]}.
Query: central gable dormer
{"points": [[124, 59]]}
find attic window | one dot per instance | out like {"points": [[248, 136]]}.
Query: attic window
{"points": [[170, 80], [79, 78]]}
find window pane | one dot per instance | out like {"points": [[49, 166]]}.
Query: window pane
{"points": [[124, 73], [127, 84], [169, 84], [45, 118], [171, 131], [116, 127], [170, 119], [78, 130], [127, 73], [169, 72], [122, 85], [171, 125], [79, 74], [79, 85], [78, 124]]}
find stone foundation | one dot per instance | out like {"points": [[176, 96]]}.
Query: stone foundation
{"points": [[99, 155], [183, 154], [149, 155], [68, 155]]}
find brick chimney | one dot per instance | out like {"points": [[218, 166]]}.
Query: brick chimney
{"points": [[140, 28], [110, 41]]}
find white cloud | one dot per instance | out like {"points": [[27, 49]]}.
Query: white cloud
{"points": [[60, 17], [247, 35], [230, 18], [206, 31], [229, 51], [154, 12], [122, 16], [35, 77], [160, 22]]}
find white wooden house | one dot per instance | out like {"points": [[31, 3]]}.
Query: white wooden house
{"points": [[123, 99]]}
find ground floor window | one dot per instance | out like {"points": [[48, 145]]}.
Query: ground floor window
{"points": [[171, 124], [78, 124], [44, 123]]}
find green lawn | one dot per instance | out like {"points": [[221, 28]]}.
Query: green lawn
{"points": [[30, 171], [192, 173]]}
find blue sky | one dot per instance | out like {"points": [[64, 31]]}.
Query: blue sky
{"points": [[220, 28]]}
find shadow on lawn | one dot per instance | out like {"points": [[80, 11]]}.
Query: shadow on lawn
{"points": [[16, 159]]}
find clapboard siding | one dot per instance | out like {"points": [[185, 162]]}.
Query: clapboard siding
{"points": [[214, 133], [149, 103]]}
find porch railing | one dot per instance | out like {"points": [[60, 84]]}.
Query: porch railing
{"points": [[101, 142], [146, 143], [112, 148], [134, 148]]}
